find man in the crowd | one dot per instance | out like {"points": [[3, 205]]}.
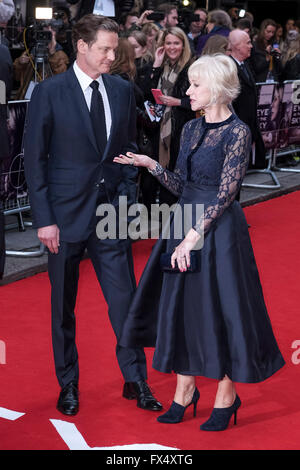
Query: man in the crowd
{"points": [[171, 15], [128, 20], [245, 105], [197, 28]]}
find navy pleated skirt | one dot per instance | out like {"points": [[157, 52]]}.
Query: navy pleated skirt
{"points": [[212, 322]]}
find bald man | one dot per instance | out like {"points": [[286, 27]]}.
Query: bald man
{"points": [[245, 104]]}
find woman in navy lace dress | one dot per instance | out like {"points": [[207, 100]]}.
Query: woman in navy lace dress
{"points": [[211, 322]]}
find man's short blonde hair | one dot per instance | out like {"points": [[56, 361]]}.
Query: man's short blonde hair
{"points": [[219, 73]]}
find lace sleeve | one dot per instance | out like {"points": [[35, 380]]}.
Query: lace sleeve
{"points": [[237, 152], [174, 181]]}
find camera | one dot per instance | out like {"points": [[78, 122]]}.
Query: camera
{"points": [[156, 16], [186, 17], [39, 37]]}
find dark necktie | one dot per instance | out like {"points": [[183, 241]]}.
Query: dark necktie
{"points": [[244, 69], [98, 117]]}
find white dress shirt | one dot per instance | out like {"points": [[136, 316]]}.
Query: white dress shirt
{"points": [[84, 82]]}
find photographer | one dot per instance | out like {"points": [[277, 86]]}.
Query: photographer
{"points": [[64, 32], [196, 28], [23, 66], [171, 16], [265, 59]]}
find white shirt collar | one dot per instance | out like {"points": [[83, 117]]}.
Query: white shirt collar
{"points": [[84, 79], [239, 63]]}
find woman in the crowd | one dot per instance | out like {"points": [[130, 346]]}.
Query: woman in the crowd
{"points": [[138, 39], [291, 57], [278, 38], [152, 32], [169, 74], [265, 60], [207, 317], [124, 65], [216, 44], [143, 58]]}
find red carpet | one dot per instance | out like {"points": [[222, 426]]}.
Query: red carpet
{"points": [[268, 419]]}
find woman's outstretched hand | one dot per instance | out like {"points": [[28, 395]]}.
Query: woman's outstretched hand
{"points": [[136, 160]]}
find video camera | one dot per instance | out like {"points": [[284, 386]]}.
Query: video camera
{"points": [[39, 36]]}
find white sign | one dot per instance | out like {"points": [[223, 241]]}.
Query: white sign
{"points": [[104, 7]]}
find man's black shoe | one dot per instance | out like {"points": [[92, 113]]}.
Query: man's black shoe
{"points": [[68, 402], [141, 391]]}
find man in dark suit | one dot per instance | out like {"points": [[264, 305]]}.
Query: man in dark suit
{"points": [[77, 122], [6, 81], [245, 105]]}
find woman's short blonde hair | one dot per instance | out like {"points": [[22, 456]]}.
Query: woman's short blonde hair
{"points": [[219, 73]]}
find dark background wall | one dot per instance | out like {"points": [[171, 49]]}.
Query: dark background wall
{"points": [[278, 10]]}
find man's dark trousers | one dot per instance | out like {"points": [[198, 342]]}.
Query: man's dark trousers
{"points": [[113, 264]]}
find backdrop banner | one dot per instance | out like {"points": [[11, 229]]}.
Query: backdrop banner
{"points": [[278, 113]]}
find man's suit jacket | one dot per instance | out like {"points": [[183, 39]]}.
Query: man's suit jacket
{"points": [[62, 163], [245, 106]]}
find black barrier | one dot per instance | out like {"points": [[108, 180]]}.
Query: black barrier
{"points": [[278, 113], [13, 187]]}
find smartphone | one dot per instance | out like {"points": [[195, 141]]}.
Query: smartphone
{"points": [[156, 92]]}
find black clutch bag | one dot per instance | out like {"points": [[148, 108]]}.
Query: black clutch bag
{"points": [[165, 263]]}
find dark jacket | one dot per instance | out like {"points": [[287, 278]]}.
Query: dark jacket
{"points": [[218, 29], [291, 70]]}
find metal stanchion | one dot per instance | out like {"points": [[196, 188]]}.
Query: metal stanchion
{"points": [[266, 171]]}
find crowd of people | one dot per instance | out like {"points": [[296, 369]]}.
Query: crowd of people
{"points": [[157, 54]]}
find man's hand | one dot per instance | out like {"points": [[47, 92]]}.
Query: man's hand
{"points": [[49, 236], [143, 18]]}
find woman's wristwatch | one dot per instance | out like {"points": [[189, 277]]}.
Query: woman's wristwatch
{"points": [[157, 170]]}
